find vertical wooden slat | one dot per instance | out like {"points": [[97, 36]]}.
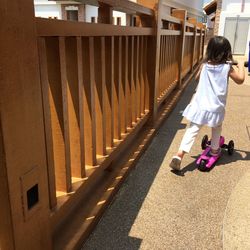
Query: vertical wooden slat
{"points": [[145, 75], [198, 50], [125, 84], [130, 81], [133, 80], [178, 56], [171, 46], [81, 108], [137, 84], [62, 55], [99, 71], [56, 71], [117, 89], [109, 60], [47, 121], [160, 65], [73, 106], [88, 100], [142, 111], [201, 45], [203, 42], [167, 63]]}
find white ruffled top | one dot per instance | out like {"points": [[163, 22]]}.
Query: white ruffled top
{"points": [[208, 104]]}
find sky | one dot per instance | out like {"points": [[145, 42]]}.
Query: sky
{"points": [[206, 1]]}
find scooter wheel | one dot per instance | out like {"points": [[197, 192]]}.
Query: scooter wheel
{"points": [[204, 142], [230, 147], [202, 165]]}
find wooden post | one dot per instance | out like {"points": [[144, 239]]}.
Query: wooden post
{"points": [[181, 14], [154, 58], [194, 22], [24, 210], [105, 14]]}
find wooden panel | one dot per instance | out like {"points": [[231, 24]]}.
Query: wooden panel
{"points": [[6, 226], [51, 27], [22, 137], [88, 101], [109, 85], [47, 120], [81, 101], [99, 67], [73, 106]]}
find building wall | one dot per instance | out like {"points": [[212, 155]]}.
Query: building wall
{"points": [[195, 4], [232, 8], [45, 8]]}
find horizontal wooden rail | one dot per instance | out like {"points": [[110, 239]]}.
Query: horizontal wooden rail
{"points": [[170, 32], [171, 19], [51, 27]]}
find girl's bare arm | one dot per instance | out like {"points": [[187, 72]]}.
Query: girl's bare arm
{"points": [[237, 74]]}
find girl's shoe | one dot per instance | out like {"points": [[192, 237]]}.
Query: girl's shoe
{"points": [[175, 163]]}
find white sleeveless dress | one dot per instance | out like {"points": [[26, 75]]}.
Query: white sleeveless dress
{"points": [[208, 104]]}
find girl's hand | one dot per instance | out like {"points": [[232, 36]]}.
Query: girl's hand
{"points": [[237, 74]]}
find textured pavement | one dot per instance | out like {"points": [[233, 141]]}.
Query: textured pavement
{"points": [[157, 209]]}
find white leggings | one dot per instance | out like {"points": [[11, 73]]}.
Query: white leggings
{"points": [[191, 133]]}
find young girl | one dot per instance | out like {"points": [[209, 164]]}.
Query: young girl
{"points": [[208, 104]]}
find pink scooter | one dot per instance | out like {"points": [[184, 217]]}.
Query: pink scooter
{"points": [[206, 161]]}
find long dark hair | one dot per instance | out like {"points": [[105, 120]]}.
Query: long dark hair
{"points": [[218, 50]]}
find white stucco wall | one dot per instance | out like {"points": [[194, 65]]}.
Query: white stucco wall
{"points": [[90, 11], [195, 4], [232, 8], [45, 8]]}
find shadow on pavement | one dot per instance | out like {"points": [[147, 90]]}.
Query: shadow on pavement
{"points": [[113, 230]]}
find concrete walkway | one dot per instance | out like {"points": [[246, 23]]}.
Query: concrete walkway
{"points": [[157, 209]]}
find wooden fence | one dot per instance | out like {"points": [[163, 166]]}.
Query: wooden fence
{"points": [[102, 88]]}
